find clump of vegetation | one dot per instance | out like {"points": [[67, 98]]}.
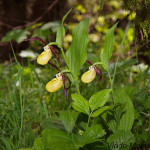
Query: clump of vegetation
{"points": [[103, 107]]}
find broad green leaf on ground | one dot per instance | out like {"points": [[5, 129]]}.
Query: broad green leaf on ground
{"points": [[127, 118], [26, 149], [77, 52], [38, 144], [121, 140], [92, 134], [80, 104], [112, 125], [100, 111], [17, 35], [108, 47], [68, 118], [51, 123], [99, 99], [60, 34], [56, 140]]}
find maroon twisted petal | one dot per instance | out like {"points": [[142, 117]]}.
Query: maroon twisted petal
{"points": [[63, 78], [54, 51], [54, 66], [36, 39], [98, 71], [66, 89]]}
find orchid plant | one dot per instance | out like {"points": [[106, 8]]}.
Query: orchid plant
{"points": [[75, 57]]}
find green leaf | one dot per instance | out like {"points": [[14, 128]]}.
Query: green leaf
{"points": [[38, 144], [100, 111], [17, 35], [66, 15], [60, 34], [26, 149], [108, 47], [80, 104], [77, 52], [68, 118], [121, 140], [99, 99], [127, 118], [41, 33], [92, 134], [54, 26], [101, 4], [56, 140]]}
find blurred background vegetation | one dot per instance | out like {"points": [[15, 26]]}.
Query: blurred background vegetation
{"points": [[24, 102], [22, 19]]}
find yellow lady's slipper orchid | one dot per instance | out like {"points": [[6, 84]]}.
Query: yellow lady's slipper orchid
{"points": [[45, 56], [89, 76], [55, 84]]}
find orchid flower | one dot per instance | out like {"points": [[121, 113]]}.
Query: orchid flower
{"points": [[90, 75]]}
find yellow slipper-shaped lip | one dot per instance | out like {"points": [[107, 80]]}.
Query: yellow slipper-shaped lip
{"points": [[89, 76], [55, 84], [45, 56]]}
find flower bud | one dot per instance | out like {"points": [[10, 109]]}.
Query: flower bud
{"points": [[45, 56], [89, 76], [55, 84]]}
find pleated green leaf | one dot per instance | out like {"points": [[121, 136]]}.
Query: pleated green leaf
{"points": [[127, 118], [68, 118], [77, 52], [26, 149], [100, 111], [80, 104], [99, 99], [121, 140], [92, 134], [38, 144], [108, 47], [54, 140]]}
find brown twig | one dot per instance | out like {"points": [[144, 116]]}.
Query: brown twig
{"points": [[5, 24]]}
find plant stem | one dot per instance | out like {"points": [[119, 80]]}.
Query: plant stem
{"points": [[21, 106], [136, 48], [64, 56], [89, 119], [66, 71], [98, 63], [77, 86], [111, 84]]}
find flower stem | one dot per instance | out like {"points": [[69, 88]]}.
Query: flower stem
{"points": [[98, 63], [77, 86], [111, 84]]}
